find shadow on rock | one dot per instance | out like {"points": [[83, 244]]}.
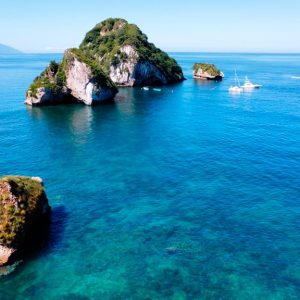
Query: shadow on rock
{"points": [[42, 240], [48, 235]]}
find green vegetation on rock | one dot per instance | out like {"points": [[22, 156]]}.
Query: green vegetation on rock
{"points": [[102, 48], [97, 72], [106, 39], [53, 78], [208, 68], [21, 200]]}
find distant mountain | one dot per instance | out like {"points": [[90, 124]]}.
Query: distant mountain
{"points": [[8, 50]]}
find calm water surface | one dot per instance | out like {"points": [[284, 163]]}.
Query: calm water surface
{"points": [[188, 193]]}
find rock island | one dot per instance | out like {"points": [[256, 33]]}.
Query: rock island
{"points": [[23, 208], [207, 71], [114, 53]]}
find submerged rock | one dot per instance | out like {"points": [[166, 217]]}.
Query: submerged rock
{"points": [[126, 55], [207, 72], [23, 207]]}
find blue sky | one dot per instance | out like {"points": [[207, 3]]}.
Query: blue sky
{"points": [[191, 25]]}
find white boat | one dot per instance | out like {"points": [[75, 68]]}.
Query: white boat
{"points": [[237, 87], [295, 77], [248, 85], [145, 88], [156, 90]]}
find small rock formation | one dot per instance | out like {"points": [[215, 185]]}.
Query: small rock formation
{"points": [[75, 79], [125, 54], [23, 207], [207, 72]]}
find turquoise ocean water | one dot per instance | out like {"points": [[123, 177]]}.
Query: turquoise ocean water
{"points": [[187, 193]]}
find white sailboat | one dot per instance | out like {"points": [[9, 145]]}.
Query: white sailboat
{"points": [[237, 87], [248, 85]]}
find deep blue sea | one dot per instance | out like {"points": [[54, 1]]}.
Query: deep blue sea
{"points": [[188, 193]]}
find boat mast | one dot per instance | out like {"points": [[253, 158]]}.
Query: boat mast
{"points": [[237, 79]]}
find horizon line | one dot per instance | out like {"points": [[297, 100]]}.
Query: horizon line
{"points": [[181, 51]]}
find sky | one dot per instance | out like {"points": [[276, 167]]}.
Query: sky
{"points": [[191, 25]]}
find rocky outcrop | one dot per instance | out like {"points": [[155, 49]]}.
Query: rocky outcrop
{"points": [[23, 207], [113, 53], [85, 81], [207, 72], [46, 96], [125, 54], [75, 79], [134, 72], [5, 254]]}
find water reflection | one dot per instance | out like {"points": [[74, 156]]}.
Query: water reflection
{"points": [[207, 84], [130, 100], [125, 100], [76, 118]]}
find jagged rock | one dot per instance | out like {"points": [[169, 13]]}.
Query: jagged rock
{"points": [[46, 95], [23, 207], [134, 72], [5, 254], [113, 53], [75, 79], [207, 72], [125, 54], [85, 80]]}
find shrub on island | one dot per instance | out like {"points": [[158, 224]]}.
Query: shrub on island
{"points": [[207, 71]]}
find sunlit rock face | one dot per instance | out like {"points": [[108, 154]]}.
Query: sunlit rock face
{"points": [[75, 79], [207, 72], [125, 54]]}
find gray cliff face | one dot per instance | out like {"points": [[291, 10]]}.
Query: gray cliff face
{"points": [[45, 96], [121, 74], [135, 72], [123, 51], [147, 74], [81, 84]]}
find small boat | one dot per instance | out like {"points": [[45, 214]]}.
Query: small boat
{"points": [[156, 90], [248, 85], [145, 88], [237, 87], [295, 77]]}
